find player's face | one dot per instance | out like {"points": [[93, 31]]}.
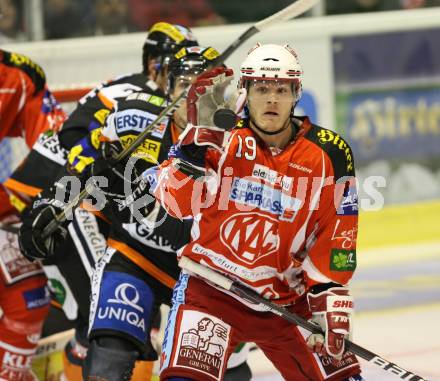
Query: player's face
{"points": [[182, 82], [270, 103]]}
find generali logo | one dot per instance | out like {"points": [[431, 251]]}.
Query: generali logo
{"points": [[250, 236], [203, 347]]}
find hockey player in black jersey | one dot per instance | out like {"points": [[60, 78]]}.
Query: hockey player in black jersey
{"points": [[70, 268], [139, 269]]}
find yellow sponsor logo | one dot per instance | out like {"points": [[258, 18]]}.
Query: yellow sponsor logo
{"points": [[17, 203], [327, 136], [148, 151], [240, 124], [20, 59], [181, 53], [157, 101], [169, 30], [95, 137], [101, 114], [211, 54]]}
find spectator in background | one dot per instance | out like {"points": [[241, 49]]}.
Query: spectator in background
{"points": [[10, 17], [232, 10], [359, 6], [67, 18], [413, 4], [111, 17], [362, 6], [182, 12]]}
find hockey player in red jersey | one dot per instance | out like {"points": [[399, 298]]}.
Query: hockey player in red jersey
{"points": [[270, 200], [27, 108]]}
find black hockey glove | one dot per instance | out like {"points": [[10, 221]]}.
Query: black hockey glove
{"points": [[106, 164], [32, 245]]}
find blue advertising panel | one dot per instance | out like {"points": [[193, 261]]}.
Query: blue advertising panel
{"points": [[388, 94]]}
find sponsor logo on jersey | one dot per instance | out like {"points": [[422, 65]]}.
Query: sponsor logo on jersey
{"points": [[349, 203], [330, 365], [145, 97], [149, 150], [58, 290], [300, 167], [132, 120], [327, 136], [21, 60], [36, 298], [263, 197], [140, 232], [123, 303], [13, 365], [202, 344], [159, 131], [341, 304], [95, 242], [250, 236], [343, 260], [272, 177], [345, 238], [49, 146], [13, 265], [227, 264], [101, 114]]}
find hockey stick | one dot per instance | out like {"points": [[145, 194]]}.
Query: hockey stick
{"points": [[251, 296], [9, 228], [291, 11]]}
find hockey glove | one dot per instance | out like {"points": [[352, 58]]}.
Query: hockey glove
{"points": [[106, 164], [32, 245], [210, 117], [331, 310]]}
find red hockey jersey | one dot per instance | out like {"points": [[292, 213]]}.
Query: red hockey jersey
{"points": [[278, 223], [27, 108]]}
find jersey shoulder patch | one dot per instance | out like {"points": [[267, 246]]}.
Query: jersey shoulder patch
{"points": [[143, 101], [337, 149], [24, 63]]}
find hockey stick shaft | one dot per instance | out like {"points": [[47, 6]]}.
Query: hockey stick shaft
{"points": [[9, 228], [291, 11], [253, 297], [52, 226]]}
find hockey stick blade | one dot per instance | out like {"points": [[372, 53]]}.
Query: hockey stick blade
{"points": [[291, 11], [253, 297]]}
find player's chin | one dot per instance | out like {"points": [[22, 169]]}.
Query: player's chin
{"points": [[270, 123]]}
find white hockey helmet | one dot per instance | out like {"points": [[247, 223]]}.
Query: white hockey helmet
{"points": [[272, 63]]}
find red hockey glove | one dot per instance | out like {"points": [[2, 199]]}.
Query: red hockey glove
{"points": [[331, 310], [210, 116]]}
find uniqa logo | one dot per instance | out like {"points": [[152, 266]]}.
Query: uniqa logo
{"points": [[126, 295], [122, 296], [250, 236], [121, 314]]}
